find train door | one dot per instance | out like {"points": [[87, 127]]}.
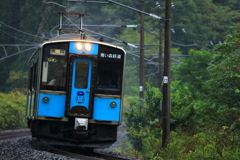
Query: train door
{"points": [[32, 86], [80, 87]]}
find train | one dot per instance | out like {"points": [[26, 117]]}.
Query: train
{"points": [[75, 91]]}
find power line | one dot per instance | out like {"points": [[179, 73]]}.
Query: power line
{"points": [[185, 45], [21, 31], [126, 43], [15, 36], [129, 26], [7, 56]]}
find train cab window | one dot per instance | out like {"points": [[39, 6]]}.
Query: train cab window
{"points": [[109, 71], [81, 78], [54, 67]]}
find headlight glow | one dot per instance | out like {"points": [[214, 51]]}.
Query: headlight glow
{"points": [[79, 46], [88, 47]]}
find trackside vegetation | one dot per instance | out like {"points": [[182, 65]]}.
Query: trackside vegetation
{"points": [[12, 110], [205, 110]]}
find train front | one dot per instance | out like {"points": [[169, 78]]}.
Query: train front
{"points": [[80, 94]]}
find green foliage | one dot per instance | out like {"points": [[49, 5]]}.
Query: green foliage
{"points": [[204, 21], [225, 71], [191, 73], [214, 143], [131, 81], [217, 144], [12, 111], [143, 117], [190, 106], [18, 80]]}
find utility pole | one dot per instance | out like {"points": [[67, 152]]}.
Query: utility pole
{"points": [[166, 77], [160, 58], [141, 86]]}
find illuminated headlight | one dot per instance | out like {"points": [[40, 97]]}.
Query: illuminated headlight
{"points": [[79, 46], [113, 104], [45, 99], [88, 47]]}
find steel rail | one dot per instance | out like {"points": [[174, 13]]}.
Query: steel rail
{"points": [[92, 155], [69, 154], [10, 134]]}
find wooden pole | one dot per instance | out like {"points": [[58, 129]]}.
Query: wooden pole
{"points": [[166, 77]]}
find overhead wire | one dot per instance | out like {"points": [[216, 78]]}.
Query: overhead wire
{"points": [[22, 31], [19, 52], [15, 37]]}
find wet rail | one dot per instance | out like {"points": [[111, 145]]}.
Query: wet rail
{"points": [[88, 156], [10, 134]]}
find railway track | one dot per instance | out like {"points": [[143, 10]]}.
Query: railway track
{"points": [[10, 134], [107, 157], [87, 156]]}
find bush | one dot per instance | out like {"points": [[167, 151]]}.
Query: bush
{"points": [[12, 111]]}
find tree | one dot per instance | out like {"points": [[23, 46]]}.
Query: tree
{"points": [[207, 93], [192, 73], [203, 21], [225, 71], [145, 120], [188, 93]]}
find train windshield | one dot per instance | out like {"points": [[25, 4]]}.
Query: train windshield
{"points": [[54, 67], [81, 78], [110, 71]]}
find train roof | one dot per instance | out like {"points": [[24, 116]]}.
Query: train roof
{"points": [[76, 37], [70, 37]]}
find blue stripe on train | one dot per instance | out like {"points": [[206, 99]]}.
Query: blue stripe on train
{"points": [[54, 108], [103, 111]]}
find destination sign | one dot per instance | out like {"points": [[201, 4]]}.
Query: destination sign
{"points": [[110, 55], [59, 52]]}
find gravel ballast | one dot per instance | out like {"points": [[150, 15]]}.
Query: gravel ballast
{"points": [[28, 148]]}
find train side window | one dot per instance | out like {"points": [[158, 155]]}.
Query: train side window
{"points": [[33, 77], [109, 71], [109, 75]]}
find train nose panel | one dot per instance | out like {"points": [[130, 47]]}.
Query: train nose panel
{"points": [[79, 110], [55, 107], [103, 110]]}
